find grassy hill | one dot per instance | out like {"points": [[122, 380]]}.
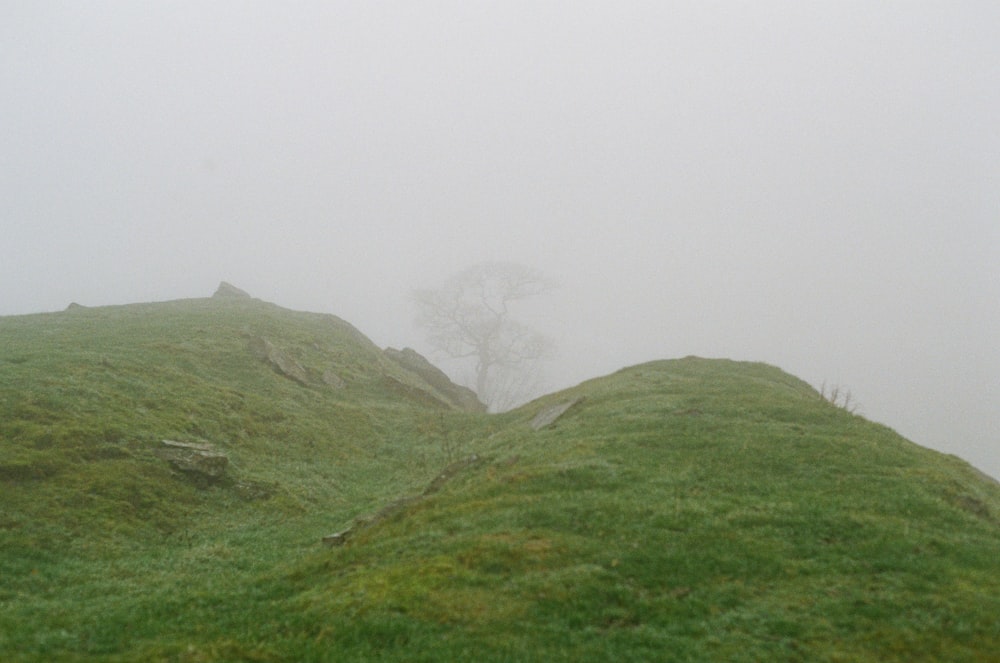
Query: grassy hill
{"points": [[687, 510]]}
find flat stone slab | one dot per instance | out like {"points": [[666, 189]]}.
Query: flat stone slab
{"points": [[280, 361], [549, 415], [203, 463]]}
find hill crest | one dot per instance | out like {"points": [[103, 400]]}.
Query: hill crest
{"points": [[715, 509]]}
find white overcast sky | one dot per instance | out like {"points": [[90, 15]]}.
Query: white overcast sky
{"points": [[811, 184]]}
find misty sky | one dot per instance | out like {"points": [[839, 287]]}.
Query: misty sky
{"points": [[815, 185]]}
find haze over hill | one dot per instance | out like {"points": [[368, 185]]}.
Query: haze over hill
{"points": [[813, 185]]}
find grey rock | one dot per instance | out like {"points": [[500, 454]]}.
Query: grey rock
{"points": [[280, 361], [337, 538], [397, 507], [457, 396], [549, 415], [448, 473], [332, 379], [229, 291], [203, 464]]}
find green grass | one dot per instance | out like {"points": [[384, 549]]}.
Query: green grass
{"points": [[686, 510]]}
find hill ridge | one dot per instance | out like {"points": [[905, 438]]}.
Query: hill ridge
{"points": [[708, 508]]}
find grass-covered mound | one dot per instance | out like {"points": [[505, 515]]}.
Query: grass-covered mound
{"points": [[682, 510], [689, 510], [87, 396], [102, 542]]}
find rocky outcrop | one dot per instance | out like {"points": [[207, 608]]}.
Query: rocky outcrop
{"points": [[549, 415], [331, 379], [455, 395], [448, 473], [201, 463], [280, 361], [400, 505], [229, 291]]}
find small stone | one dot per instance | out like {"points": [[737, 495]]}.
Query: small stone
{"points": [[336, 539]]}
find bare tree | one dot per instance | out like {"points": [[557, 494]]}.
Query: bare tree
{"points": [[469, 318]]}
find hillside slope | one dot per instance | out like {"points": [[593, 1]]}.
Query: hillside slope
{"points": [[312, 421], [690, 510], [684, 510], [107, 385]]}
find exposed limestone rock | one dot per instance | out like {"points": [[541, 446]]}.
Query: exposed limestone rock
{"points": [[422, 394], [457, 396], [229, 291], [332, 379], [363, 522], [203, 464], [73, 306], [448, 473], [266, 351], [548, 416], [337, 538], [397, 506]]}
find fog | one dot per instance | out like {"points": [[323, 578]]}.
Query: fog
{"points": [[814, 185]]}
